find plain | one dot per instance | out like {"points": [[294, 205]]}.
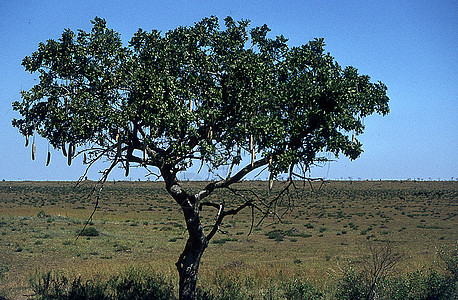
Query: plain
{"points": [[315, 234]]}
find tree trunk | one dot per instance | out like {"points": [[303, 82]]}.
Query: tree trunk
{"points": [[188, 263], [188, 267]]}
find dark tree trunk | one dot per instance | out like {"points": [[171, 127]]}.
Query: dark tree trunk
{"points": [[188, 263], [188, 267]]}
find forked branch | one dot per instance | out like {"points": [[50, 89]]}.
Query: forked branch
{"points": [[100, 183], [310, 180], [223, 213]]}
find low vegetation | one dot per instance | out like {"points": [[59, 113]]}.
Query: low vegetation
{"points": [[321, 249], [134, 283]]}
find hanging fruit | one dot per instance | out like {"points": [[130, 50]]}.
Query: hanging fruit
{"points": [[33, 150], [48, 160], [70, 154]]}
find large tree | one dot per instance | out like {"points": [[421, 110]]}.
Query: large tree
{"points": [[198, 95]]}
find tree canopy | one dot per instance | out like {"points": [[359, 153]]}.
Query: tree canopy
{"points": [[196, 95]]}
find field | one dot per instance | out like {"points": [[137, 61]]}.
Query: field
{"points": [[322, 232]]}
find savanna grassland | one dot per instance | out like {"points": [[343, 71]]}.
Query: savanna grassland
{"points": [[322, 231]]}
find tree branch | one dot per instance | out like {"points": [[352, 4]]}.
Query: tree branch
{"points": [[231, 180], [101, 182], [219, 217], [310, 179], [273, 203], [222, 214]]}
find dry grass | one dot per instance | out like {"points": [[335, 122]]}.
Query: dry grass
{"points": [[139, 224]]}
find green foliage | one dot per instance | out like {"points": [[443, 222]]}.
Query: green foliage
{"points": [[229, 289], [352, 286], [197, 92], [132, 284], [90, 231], [52, 286], [202, 294], [449, 257], [301, 290], [438, 286], [121, 248], [420, 285], [277, 235], [136, 284]]}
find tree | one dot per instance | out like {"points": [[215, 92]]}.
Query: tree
{"points": [[196, 95]]}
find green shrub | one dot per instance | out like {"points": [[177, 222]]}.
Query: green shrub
{"points": [[351, 287], [228, 288], [90, 231], [49, 286], [136, 284], [439, 286], [449, 257], [420, 285], [121, 248], [301, 290], [132, 284], [277, 235]]}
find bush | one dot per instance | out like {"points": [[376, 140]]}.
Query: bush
{"points": [[439, 286], [3, 270], [420, 285], [300, 290], [132, 284], [89, 231], [277, 235], [59, 287], [228, 287], [138, 284], [449, 257], [351, 287]]}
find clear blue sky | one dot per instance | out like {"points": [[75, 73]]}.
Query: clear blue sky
{"points": [[411, 46]]}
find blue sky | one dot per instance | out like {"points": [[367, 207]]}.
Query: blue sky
{"points": [[411, 46]]}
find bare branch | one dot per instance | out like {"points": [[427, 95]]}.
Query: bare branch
{"points": [[380, 264], [94, 160], [310, 179], [101, 182], [222, 214], [219, 218], [224, 183]]}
